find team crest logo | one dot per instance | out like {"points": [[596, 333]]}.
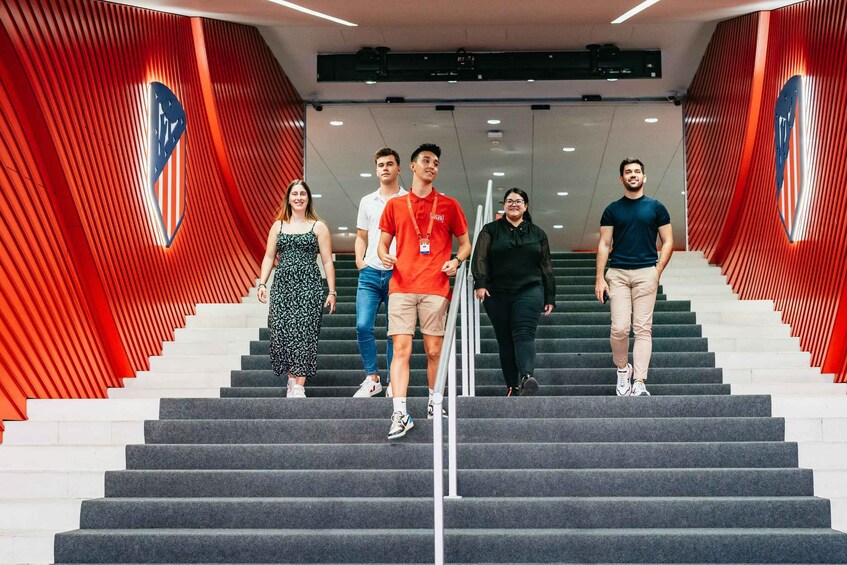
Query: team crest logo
{"points": [[789, 154], [167, 163]]}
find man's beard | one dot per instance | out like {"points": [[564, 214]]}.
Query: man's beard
{"points": [[631, 188]]}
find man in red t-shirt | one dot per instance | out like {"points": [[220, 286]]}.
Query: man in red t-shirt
{"points": [[424, 223]]}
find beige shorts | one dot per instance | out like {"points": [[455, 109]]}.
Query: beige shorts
{"points": [[405, 309]]}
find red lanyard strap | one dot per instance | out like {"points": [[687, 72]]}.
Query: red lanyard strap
{"points": [[431, 217]]}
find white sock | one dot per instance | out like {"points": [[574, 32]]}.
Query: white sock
{"points": [[400, 405], [431, 392]]}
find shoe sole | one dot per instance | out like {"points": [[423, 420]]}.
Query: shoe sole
{"points": [[406, 429], [372, 394], [530, 387]]}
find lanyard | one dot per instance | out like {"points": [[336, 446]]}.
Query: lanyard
{"points": [[431, 217]]}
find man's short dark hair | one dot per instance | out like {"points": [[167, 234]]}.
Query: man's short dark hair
{"points": [[385, 152], [431, 147], [630, 161]]}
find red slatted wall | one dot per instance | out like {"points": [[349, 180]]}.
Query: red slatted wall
{"points": [[87, 293], [808, 279]]}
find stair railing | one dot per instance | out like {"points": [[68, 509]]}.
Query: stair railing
{"points": [[463, 300]]}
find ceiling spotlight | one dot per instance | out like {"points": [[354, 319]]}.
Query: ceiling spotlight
{"points": [[499, 174], [612, 79], [342, 228], [365, 175], [370, 82], [683, 192], [452, 81], [562, 193], [568, 149], [336, 123], [493, 122], [651, 120], [530, 80], [557, 226]]}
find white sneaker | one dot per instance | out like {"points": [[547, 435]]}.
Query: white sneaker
{"points": [[388, 391], [430, 410], [624, 386], [291, 381], [639, 389], [368, 388], [297, 391], [400, 424]]}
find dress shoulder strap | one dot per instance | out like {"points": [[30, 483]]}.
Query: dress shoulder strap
{"points": [[313, 226]]}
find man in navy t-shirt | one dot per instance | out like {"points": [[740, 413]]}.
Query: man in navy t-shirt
{"points": [[628, 230]]}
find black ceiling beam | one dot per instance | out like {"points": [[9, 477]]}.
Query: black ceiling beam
{"points": [[596, 62]]}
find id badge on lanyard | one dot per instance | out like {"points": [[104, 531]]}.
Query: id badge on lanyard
{"points": [[425, 244]]}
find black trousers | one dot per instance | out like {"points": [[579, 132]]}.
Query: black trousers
{"points": [[515, 319]]}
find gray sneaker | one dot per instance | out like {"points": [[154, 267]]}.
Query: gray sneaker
{"points": [[624, 386], [400, 424]]}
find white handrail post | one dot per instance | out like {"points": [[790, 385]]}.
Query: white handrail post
{"points": [[438, 478], [452, 481], [467, 335]]}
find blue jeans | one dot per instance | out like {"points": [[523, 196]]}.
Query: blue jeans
{"points": [[371, 291]]}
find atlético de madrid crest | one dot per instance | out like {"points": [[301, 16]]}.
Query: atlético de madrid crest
{"points": [[167, 162], [788, 125]]}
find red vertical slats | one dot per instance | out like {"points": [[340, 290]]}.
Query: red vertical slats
{"points": [[807, 280], [88, 293]]}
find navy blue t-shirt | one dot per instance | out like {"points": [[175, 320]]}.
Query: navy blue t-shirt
{"points": [[636, 224]]}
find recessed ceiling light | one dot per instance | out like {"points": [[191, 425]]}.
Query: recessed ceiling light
{"points": [[493, 122], [336, 123], [643, 6], [530, 80], [499, 174], [683, 192], [370, 82], [612, 79], [342, 228], [557, 226], [365, 175], [317, 195], [562, 193], [452, 81], [568, 149], [651, 120], [313, 13]]}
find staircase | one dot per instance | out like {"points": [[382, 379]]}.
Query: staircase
{"points": [[577, 475]]}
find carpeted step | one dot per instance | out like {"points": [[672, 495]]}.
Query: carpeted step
{"points": [[548, 407], [798, 545], [477, 430], [492, 360], [492, 377], [317, 390], [489, 345], [482, 512], [737, 482], [557, 318], [408, 455]]}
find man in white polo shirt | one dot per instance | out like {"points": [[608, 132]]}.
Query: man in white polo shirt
{"points": [[372, 289]]}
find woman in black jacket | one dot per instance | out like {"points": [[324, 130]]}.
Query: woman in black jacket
{"points": [[513, 277]]}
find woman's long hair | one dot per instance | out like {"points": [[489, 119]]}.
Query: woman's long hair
{"points": [[522, 194], [284, 214]]}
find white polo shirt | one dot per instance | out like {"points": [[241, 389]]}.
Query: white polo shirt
{"points": [[370, 211]]}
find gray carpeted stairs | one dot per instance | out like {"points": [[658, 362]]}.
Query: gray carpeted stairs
{"points": [[689, 475]]}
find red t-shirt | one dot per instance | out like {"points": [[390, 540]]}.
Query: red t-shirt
{"points": [[415, 273]]}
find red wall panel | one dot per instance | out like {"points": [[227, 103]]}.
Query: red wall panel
{"points": [[807, 279], [88, 292]]}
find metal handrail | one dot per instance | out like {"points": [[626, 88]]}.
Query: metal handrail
{"points": [[463, 300]]}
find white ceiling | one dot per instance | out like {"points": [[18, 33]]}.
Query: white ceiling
{"points": [[532, 156]]}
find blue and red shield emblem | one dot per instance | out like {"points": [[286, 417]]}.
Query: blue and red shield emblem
{"points": [[167, 163], [789, 154]]}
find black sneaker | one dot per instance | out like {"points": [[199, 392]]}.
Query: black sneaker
{"points": [[529, 386], [513, 391]]}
